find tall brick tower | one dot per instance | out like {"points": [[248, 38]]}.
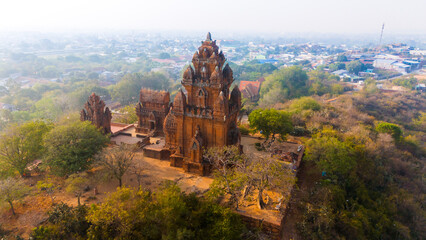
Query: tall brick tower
{"points": [[206, 115], [95, 111]]}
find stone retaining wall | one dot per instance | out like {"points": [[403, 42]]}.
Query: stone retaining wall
{"points": [[270, 229]]}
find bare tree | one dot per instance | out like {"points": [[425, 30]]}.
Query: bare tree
{"points": [[264, 173], [117, 160], [224, 160], [138, 170]]}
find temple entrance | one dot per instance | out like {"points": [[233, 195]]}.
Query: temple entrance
{"points": [[151, 122]]}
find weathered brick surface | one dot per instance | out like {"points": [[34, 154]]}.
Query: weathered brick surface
{"points": [[206, 115], [95, 111]]}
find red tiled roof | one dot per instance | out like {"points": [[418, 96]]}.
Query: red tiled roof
{"points": [[244, 84], [251, 90], [119, 127], [170, 61]]}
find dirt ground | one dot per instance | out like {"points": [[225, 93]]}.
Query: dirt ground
{"points": [[249, 207], [31, 211]]}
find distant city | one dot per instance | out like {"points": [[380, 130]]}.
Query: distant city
{"points": [[170, 52]]}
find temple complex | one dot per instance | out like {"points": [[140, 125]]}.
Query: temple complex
{"points": [[151, 110], [95, 111], [205, 113]]}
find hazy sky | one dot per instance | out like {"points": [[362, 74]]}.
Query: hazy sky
{"points": [[274, 16]]}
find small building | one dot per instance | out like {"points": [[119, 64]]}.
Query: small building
{"points": [[401, 67], [420, 87], [340, 73], [414, 65], [384, 63]]}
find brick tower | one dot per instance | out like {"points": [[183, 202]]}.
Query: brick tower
{"points": [[206, 115], [95, 111]]}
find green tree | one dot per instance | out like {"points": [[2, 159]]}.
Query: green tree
{"points": [[304, 103], [71, 147], [117, 161], [12, 189], [6, 118], [319, 88], [28, 93], [293, 80], [165, 214], [127, 89], [76, 184], [273, 97], [355, 67], [47, 108], [164, 55], [21, 145], [370, 86], [48, 187], [270, 122], [63, 222], [420, 121], [336, 66], [319, 75], [342, 58], [127, 114], [336, 89], [80, 94], [335, 157], [49, 72]]}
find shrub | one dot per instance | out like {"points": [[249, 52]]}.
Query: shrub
{"points": [[390, 128], [299, 131], [304, 103], [244, 130]]}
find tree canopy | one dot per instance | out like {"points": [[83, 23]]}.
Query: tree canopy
{"points": [[304, 103], [23, 144], [270, 122], [71, 147], [355, 67], [128, 214], [127, 89], [291, 80]]}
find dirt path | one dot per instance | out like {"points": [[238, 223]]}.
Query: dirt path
{"points": [[306, 181]]}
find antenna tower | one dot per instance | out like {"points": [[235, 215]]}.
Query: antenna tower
{"points": [[381, 35]]}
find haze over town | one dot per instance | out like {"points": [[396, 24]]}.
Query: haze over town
{"points": [[235, 119], [238, 16]]}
